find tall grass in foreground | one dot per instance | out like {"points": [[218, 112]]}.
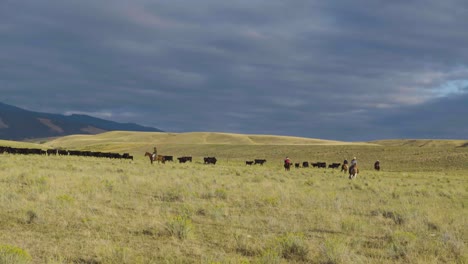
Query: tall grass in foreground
{"points": [[86, 210]]}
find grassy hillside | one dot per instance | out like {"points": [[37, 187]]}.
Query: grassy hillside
{"points": [[394, 155], [20, 144], [57, 209], [422, 143], [90, 210], [153, 138]]}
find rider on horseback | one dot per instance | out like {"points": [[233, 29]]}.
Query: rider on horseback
{"points": [[155, 153], [353, 163], [353, 169], [287, 163]]}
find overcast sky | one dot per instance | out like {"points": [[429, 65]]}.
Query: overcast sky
{"points": [[345, 70]]}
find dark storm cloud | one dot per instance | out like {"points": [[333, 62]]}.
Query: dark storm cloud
{"points": [[327, 69]]}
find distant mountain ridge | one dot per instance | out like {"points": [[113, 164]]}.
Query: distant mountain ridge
{"points": [[20, 124]]}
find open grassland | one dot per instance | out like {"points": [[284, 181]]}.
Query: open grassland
{"points": [[394, 155], [423, 142], [95, 210], [135, 140]]}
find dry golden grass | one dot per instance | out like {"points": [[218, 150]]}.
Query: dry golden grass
{"points": [[155, 138], [423, 143], [90, 210], [18, 144]]}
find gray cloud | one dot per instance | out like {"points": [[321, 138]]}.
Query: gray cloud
{"points": [[351, 71]]}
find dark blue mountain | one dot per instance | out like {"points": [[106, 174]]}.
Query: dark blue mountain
{"points": [[20, 124]]}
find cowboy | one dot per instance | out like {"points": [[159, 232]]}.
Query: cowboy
{"points": [[287, 163], [353, 163], [155, 153]]}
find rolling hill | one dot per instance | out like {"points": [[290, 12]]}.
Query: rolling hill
{"points": [[412, 155], [158, 138], [422, 142], [192, 143]]}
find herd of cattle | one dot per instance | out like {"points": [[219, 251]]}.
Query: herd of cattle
{"points": [[206, 160], [304, 164], [213, 160], [63, 152]]}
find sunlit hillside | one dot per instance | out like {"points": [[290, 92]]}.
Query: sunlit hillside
{"points": [[20, 144], [137, 141], [189, 138], [394, 155]]}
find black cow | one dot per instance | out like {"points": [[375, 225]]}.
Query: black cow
{"points": [[259, 161], [249, 162], [86, 153], [127, 156], [181, 159], [3, 149], [305, 164], [8, 150], [62, 152], [184, 159], [319, 164], [377, 165], [34, 151], [51, 151], [297, 165], [210, 160], [115, 156], [37, 151], [334, 165], [98, 154], [74, 153], [168, 158]]}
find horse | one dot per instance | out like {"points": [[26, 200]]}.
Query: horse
{"points": [[344, 168], [159, 158], [287, 165], [353, 172]]}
